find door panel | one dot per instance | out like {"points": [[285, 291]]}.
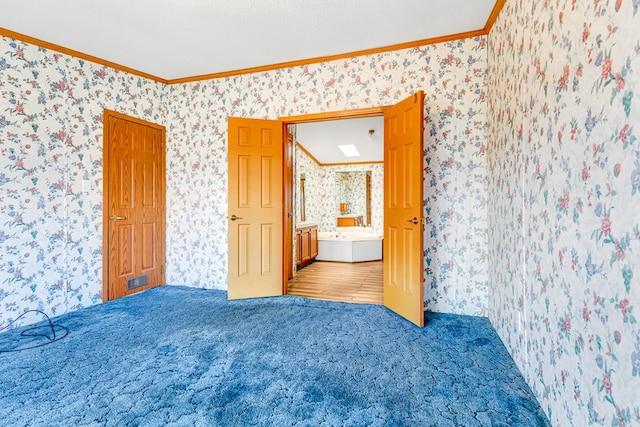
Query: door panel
{"points": [[255, 208], [267, 182], [403, 230], [134, 204]]}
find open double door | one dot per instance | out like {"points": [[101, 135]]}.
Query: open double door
{"points": [[257, 218]]}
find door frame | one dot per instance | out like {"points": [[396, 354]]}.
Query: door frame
{"points": [[288, 185]]}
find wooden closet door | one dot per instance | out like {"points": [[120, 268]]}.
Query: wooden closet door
{"points": [[134, 205]]}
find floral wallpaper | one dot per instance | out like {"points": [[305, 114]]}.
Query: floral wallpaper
{"points": [[564, 192], [453, 76], [51, 108]]}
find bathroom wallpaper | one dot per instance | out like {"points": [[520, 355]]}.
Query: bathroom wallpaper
{"points": [[51, 108], [322, 195], [564, 191], [304, 164], [453, 76]]}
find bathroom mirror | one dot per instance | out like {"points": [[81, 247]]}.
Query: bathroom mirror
{"points": [[353, 193]]}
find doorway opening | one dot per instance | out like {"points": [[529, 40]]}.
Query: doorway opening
{"points": [[254, 236], [360, 281]]}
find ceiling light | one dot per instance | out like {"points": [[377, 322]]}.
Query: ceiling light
{"points": [[349, 150]]}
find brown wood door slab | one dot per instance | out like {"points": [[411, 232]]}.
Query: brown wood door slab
{"points": [[134, 205]]}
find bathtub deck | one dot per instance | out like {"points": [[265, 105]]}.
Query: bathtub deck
{"points": [[349, 249], [337, 281]]}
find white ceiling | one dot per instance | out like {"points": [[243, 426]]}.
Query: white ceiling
{"points": [[321, 139], [173, 39]]}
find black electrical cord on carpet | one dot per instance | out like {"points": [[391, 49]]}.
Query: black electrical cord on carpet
{"points": [[52, 337]]}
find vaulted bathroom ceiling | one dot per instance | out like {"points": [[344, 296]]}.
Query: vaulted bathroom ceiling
{"points": [[173, 39]]}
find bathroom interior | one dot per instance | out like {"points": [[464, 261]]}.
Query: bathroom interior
{"points": [[338, 210]]}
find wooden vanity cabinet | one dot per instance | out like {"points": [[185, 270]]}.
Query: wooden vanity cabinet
{"points": [[306, 245]]}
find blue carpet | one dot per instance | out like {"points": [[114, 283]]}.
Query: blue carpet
{"points": [[188, 357]]}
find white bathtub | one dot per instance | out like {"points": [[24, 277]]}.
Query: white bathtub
{"points": [[349, 246]]}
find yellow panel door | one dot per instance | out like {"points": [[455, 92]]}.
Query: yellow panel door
{"points": [[403, 205], [134, 205], [255, 208]]}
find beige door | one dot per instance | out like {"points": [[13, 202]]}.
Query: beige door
{"points": [[134, 205], [403, 206], [255, 208]]}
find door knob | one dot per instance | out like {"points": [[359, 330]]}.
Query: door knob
{"points": [[117, 218], [414, 220], [233, 217]]}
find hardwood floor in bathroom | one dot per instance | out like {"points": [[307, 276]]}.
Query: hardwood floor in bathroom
{"points": [[359, 282]]}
